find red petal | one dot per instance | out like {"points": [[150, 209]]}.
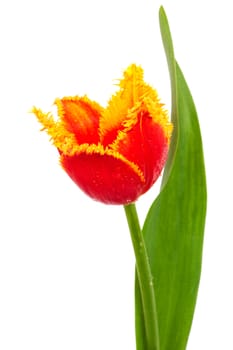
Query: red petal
{"points": [[81, 117], [146, 146], [104, 178]]}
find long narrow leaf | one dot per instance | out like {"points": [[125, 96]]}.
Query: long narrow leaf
{"points": [[174, 226]]}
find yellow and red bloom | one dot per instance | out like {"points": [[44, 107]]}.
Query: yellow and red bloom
{"points": [[114, 154]]}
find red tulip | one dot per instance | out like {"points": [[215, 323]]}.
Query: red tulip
{"points": [[114, 154]]}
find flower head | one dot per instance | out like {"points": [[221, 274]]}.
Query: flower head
{"points": [[114, 154]]}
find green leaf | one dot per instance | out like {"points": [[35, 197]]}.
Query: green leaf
{"points": [[174, 227]]}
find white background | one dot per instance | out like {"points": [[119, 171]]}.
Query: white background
{"points": [[66, 262]]}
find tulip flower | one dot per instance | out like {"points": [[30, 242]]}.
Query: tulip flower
{"points": [[114, 154]]}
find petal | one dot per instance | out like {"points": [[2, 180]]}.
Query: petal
{"points": [[132, 88], [108, 177], [81, 117], [64, 140], [146, 145], [120, 112]]}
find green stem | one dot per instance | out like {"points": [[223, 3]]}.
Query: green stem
{"points": [[144, 277]]}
